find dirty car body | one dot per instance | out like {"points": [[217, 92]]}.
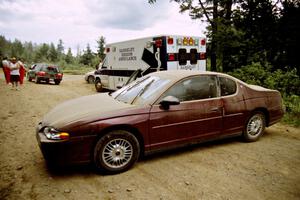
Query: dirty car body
{"points": [[162, 110]]}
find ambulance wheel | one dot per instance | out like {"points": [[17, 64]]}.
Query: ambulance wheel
{"points": [[98, 85]]}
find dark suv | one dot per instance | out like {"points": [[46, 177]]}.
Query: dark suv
{"points": [[45, 72]]}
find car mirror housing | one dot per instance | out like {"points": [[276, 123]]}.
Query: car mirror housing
{"points": [[168, 101]]}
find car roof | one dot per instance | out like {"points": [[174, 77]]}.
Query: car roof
{"points": [[45, 64], [180, 74]]}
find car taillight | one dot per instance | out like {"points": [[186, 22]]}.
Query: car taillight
{"points": [[59, 75], [41, 73], [171, 56]]}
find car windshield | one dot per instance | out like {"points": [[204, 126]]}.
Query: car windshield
{"points": [[141, 91]]}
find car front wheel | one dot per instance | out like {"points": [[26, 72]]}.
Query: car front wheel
{"points": [[116, 152], [254, 127], [57, 82], [37, 80]]}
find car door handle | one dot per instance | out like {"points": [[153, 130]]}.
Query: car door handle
{"points": [[216, 109]]}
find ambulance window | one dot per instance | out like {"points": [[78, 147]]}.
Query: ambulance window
{"points": [[104, 65], [182, 57], [193, 56]]}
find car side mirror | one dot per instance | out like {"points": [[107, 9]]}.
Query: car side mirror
{"points": [[169, 101]]}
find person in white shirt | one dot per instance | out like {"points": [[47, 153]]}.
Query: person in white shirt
{"points": [[14, 73]]}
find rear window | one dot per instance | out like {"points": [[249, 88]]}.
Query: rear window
{"points": [[228, 86], [54, 69]]}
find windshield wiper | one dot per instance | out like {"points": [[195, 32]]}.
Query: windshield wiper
{"points": [[142, 91], [130, 88]]}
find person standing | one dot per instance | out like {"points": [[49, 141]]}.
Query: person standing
{"points": [[22, 70], [14, 73], [6, 69]]}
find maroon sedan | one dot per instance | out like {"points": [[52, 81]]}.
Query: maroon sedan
{"points": [[162, 110]]}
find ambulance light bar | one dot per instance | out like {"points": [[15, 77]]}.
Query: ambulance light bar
{"points": [[189, 41]]}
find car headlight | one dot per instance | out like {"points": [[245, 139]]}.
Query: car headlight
{"points": [[53, 134]]}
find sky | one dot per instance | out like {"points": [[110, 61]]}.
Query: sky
{"points": [[82, 22]]}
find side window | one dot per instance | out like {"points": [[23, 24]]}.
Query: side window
{"points": [[227, 86], [195, 88]]}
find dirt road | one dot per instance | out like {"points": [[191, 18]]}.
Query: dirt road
{"points": [[227, 169]]}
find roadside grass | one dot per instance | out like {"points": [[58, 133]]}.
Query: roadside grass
{"points": [[292, 119], [77, 69], [292, 115]]}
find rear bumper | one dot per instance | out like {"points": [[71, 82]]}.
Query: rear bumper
{"points": [[45, 78]]}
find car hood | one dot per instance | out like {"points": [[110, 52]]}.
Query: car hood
{"points": [[83, 109]]}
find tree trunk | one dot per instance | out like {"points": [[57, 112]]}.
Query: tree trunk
{"points": [[226, 50], [213, 57]]}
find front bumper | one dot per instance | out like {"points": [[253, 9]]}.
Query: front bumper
{"points": [[65, 152]]}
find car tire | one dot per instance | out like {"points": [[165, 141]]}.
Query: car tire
{"points": [[116, 152], [37, 80], [57, 82], [254, 127], [91, 79], [28, 77], [98, 85]]}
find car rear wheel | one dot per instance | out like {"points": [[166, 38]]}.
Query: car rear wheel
{"points": [[90, 79], [116, 152], [57, 82], [254, 127], [98, 85], [37, 80]]}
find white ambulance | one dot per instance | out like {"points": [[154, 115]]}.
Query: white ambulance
{"points": [[139, 57]]}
